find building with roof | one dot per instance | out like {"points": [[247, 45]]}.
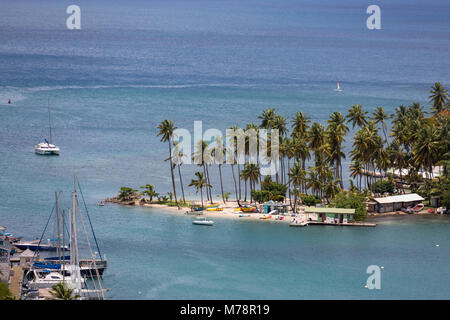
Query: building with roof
{"points": [[5, 249], [332, 215], [394, 203]]}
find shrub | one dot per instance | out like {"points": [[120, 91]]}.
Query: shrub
{"points": [[310, 200], [383, 186], [351, 200]]}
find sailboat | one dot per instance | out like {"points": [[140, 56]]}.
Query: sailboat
{"points": [[338, 88], [46, 147], [45, 274]]}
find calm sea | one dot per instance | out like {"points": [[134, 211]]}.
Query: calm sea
{"points": [[136, 63]]}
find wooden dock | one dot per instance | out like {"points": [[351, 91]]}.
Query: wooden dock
{"points": [[353, 224], [15, 282]]}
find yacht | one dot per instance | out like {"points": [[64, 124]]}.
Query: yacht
{"points": [[47, 148]]}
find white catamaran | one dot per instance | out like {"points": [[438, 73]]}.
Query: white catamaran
{"points": [[46, 147]]}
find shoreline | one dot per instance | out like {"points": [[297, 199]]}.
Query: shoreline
{"points": [[229, 213]]}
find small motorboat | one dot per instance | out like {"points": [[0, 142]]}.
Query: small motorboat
{"points": [[298, 223], [101, 204], [244, 215], [203, 222]]}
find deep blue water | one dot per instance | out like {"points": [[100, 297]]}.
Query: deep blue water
{"points": [[135, 64]]}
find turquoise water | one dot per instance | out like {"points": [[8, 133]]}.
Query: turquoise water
{"points": [[133, 65]]}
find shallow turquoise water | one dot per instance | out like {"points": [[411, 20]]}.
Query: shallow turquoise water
{"points": [[132, 66]]}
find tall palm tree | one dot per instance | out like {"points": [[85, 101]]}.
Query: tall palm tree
{"points": [[267, 118], [297, 177], [356, 170], [199, 184], [380, 116], [357, 116], [425, 148], [438, 97], [178, 161], [218, 152], [166, 129], [300, 123], [336, 131], [253, 173]]}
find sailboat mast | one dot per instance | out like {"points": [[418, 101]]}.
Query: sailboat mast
{"points": [[63, 239], [58, 244], [49, 124]]}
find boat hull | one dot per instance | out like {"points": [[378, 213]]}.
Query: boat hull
{"points": [[203, 223]]}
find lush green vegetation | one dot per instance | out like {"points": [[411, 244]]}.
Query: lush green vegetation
{"points": [[383, 186], [311, 153], [310, 200], [351, 200], [5, 294], [61, 291]]}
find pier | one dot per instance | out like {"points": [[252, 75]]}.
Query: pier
{"points": [[15, 282]]}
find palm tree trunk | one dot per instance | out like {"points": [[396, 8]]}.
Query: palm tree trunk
{"points": [[239, 180], [209, 182], [181, 182], [206, 177], [171, 173], [235, 185], [201, 195], [245, 192], [221, 183]]}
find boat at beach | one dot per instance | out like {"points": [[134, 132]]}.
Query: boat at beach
{"points": [[338, 88], [46, 148], [203, 222], [298, 223], [264, 217]]}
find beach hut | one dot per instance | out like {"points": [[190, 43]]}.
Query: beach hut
{"points": [[331, 215], [394, 203], [281, 208]]}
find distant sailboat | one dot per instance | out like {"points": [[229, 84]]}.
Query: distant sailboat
{"points": [[46, 147], [338, 89]]}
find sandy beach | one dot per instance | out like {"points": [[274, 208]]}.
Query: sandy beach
{"points": [[227, 213]]}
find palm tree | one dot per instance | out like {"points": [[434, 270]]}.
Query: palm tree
{"points": [[300, 123], [202, 154], [253, 174], [356, 169], [267, 118], [380, 116], [425, 148], [313, 181], [218, 153], [297, 177], [126, 194], [178, 161], [336, 131], [149, 191], [357, 116], [166, 129], [61, 291], [438, 97], [199, 184]]}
